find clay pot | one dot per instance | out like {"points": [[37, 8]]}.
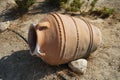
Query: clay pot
{"points": [[58, 39]]}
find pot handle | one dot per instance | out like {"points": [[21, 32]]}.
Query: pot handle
{"points": [[43, 25], [37, 51]]}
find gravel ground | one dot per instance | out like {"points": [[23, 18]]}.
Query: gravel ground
{"points": [[16, 63]]}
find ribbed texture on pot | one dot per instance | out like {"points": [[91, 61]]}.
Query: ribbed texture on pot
{"points": [[68, 38]]}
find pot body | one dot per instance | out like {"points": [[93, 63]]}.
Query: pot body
{"points": [[63, 38]]}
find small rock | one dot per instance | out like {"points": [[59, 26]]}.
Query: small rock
{"points": [[78, 66], [4, 25]]}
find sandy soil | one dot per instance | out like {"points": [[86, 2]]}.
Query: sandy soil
{"points": [[16, 63]]}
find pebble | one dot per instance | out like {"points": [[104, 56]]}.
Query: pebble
{"points": [[4, 26], [78, 66]]}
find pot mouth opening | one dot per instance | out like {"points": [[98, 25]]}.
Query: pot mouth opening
{"points": [[32, 39]]}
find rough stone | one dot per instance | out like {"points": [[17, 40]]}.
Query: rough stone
{"points": [[4, 25], [78, 66], [6, 5]]}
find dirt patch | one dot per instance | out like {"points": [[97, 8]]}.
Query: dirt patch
{"points": [[16, 63]]}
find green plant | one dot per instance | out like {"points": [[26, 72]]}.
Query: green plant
{"points": [[75, 5], [104, 12], [23, 5], [93, 3], [108, 11]]}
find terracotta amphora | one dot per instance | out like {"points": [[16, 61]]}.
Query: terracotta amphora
{"points": [[58, 39]]}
